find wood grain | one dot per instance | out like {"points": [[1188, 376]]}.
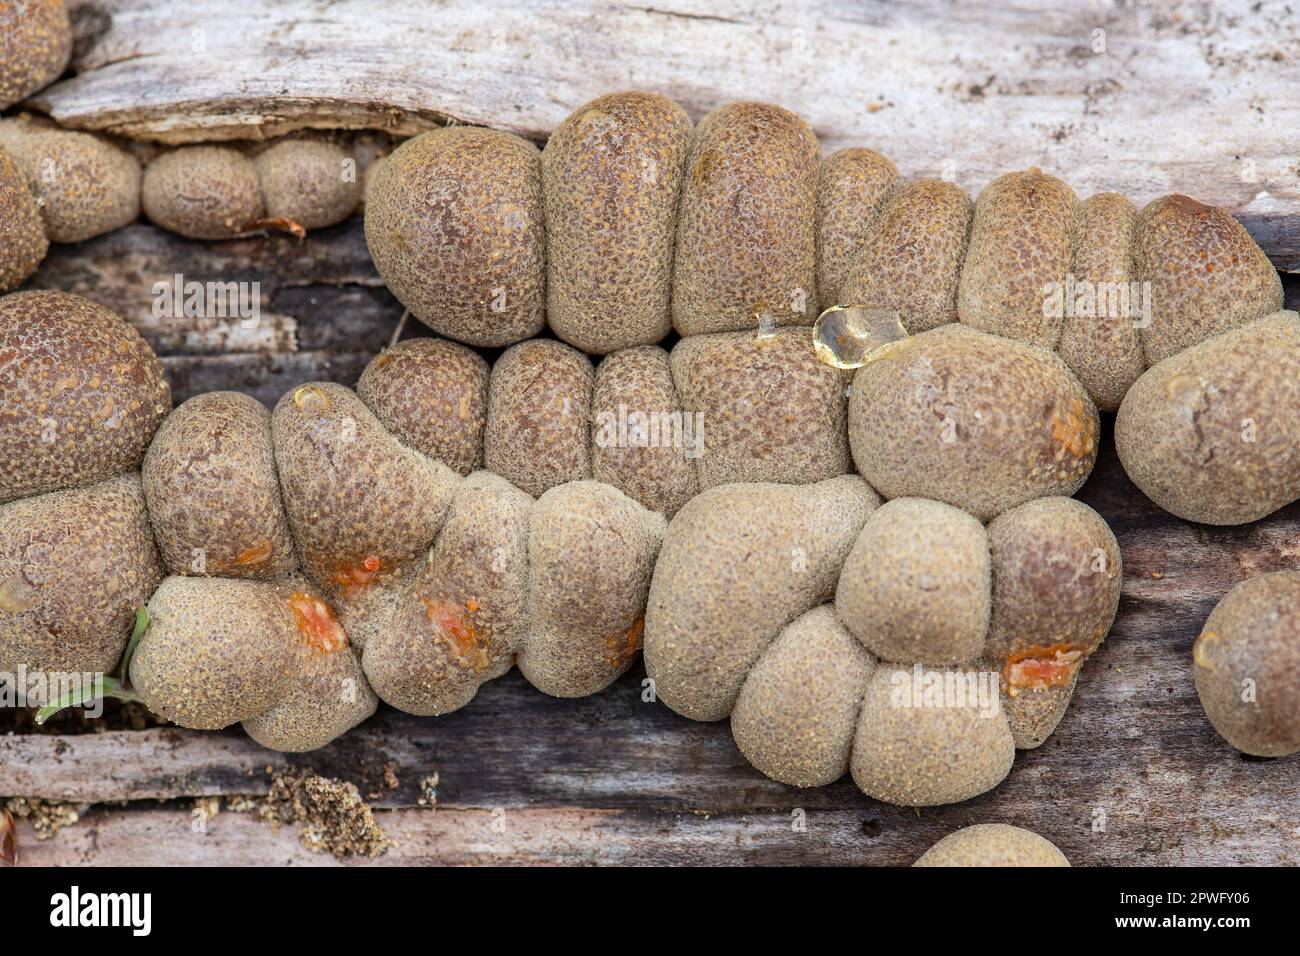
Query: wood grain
{"points": [[1142, 98]]}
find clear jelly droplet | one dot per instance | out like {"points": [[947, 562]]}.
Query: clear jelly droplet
{"points": [[311, 399], [850, 336]]}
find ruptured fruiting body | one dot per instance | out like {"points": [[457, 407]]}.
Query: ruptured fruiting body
{"points": [[35, 46], [746, 226], [214, 496], [993, 844], [1057, 573], [22, 235], [1247, 665], [85, 185], [611, 174], [1209, 434], [202, 192], [455, 225], [978, 421]]}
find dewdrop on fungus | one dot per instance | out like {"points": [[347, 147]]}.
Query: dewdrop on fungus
{"points": [[850, 336]]}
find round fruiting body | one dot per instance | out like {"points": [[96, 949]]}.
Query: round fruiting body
{"points": [[217, 651], [23, 243], [83, 393], [746, 227], [978, 421], [1247, 665], [84, 184], [310, 182], [455, 225], [432, 394], [611, 174], [74, 567], [853, 186], [993, 844], [1209, 434], [35, 46], [202, 192], [213, 491], [916, 586]]}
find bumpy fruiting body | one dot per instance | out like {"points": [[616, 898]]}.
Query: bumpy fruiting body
{"points": [[908, 263], [74, 566], [445, 419], [214, 496], [1209, 434], [993, 844], [739, 563], [770, 411], [917, 584], [309, 182], [642, 442], [746, 227], [831, 629], [1207, 275], [853, 187], [948, 646], [202, 192], [1020, 238], [22, 235], [217, 651], [1103, 345], [1247, 665], [84, 184], [539, 415], [35, 46], [83, 394], [978, 421], [455, 224], [611, 173]]}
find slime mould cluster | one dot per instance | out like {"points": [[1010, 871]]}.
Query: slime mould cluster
{"points": [[824, 556]]}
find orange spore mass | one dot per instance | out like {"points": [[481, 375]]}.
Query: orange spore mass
{"points": [[259, 553], [317, 623], [1042, 667], [352, 577], [450, 623]]}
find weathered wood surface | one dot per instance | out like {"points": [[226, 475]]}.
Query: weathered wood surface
{"points": [[1142, 98], [612, 778], [325, 313]]}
